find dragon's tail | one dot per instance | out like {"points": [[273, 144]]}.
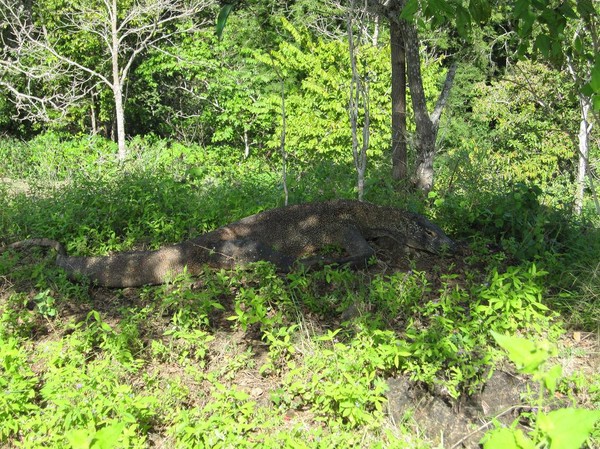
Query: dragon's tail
{"points": [[57, 246]]}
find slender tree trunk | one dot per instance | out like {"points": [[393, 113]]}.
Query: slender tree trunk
{"points": [[120, 118], [398, 60], [246, 144], [583, 136], [93, 115], [359, 93], [375, 37], [117, 83]]}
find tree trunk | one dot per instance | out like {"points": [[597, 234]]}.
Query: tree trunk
{"points": [[359, 93], [120, 117], [425, 128], [426, 125], [375, 37], [584, 128], [117, 83], [93, 115], [398, 60]]}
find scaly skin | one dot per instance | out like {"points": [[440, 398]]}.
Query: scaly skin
{"points": [[282, 236]]}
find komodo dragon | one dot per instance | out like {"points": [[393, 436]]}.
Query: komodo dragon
{"points": [[281, 236]]}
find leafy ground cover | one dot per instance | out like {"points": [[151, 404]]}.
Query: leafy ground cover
{"points": [[254, 358]]}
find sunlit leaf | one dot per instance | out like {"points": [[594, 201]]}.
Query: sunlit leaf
{"points": [[79, 438], [504, 438], [525, 354], [568, 428]]}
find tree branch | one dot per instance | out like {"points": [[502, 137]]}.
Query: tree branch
{"points": [[443, 98]]}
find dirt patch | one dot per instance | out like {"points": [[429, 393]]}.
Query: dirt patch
{"points": [[503, 398], [462, 422], [21, 187], [14, 186]]}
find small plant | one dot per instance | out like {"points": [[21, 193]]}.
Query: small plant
{"points": [[224, 422], [187, 344], [343, 383], [281, 349], [565, 428], [106, 437], [513, 300], [260, 299], [45, 304]]}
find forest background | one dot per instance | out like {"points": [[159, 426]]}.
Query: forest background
{"points": [[131, 124]]}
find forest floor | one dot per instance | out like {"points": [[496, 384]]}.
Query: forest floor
{"points": [[259, 359], [433, 413]]}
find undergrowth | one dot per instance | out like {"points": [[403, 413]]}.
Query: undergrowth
{"points": [[254, 358]]}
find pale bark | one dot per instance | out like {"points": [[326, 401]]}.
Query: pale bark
{"points": [[283, 131], [581, 143], [583, 135], [117, 78], [359, 95], [584, 150]]}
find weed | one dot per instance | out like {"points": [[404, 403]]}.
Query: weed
{"points": [[225, 421], [513, 300], [45, 304], [342, 383], [281, 350]]}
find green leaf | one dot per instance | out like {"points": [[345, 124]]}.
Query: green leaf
{"points": [[587, 90], [523, 441], [551, 377], [585, 8], [79, 438], [525, 354], [441, 9], [521, 8], [480, 10], [596, 102], [566, 10], [526, 23], [463, 21], [595, 79], [568, 428], [410, 9], [504, 438], [543, 44], [222, 18], [108, 437]]}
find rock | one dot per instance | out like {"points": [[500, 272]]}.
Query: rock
{"points": [[456, 423]]}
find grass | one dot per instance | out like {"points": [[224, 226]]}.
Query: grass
{"points": [[254, 358]]}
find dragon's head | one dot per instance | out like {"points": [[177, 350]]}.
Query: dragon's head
{"points": [[421, 234]]}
